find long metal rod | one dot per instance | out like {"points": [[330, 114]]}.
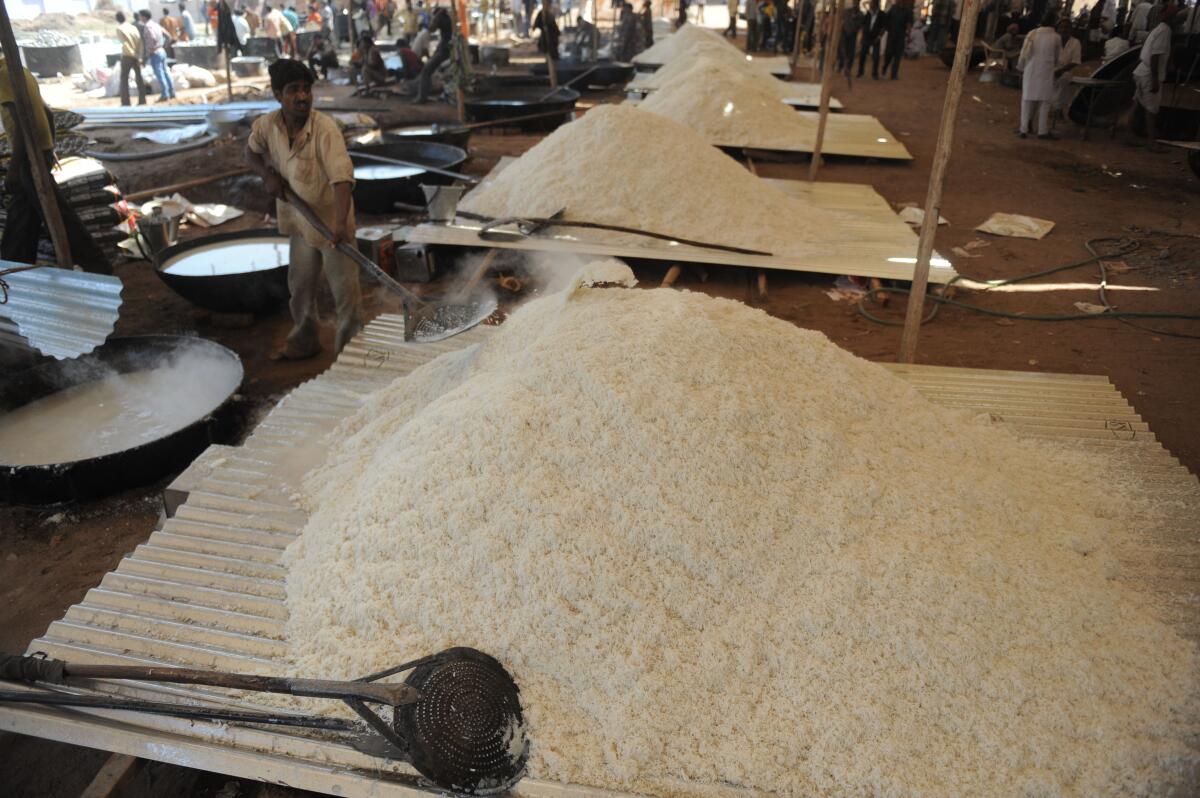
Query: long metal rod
{"points": [[34, 669], [411, 301], [491, 222], [390, 694], [23, 117], [176, 710], [412, 164], [937, 178], [828, 67]]}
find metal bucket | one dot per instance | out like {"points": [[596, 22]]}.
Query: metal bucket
{"points": [[224, 122], [47, 62], [159, 226], [201, 55], [442, 202], [494, 54], [251, 66]]}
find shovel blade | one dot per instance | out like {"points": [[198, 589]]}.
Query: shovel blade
{"points": [[428, 322]]}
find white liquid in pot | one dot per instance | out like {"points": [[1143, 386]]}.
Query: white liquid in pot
{"points": [[116, 412], [384, 171], [240, 257]]}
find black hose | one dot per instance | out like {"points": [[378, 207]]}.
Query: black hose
{"points": [[203, 141], [1127, 246]]}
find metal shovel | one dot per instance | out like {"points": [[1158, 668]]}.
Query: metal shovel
{"points": [[424, 322]]}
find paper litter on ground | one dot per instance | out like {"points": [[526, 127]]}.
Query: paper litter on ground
{"points": [[207, 214], [685, 528], [1016, 226], [916, 216], [611, 165], [173, 135]]}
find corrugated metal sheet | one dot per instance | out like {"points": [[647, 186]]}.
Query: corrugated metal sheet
{"points": [[208, 588], [59, 312]]}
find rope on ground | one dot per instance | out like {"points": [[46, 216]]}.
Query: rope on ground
{"points": [[1125, 246]]}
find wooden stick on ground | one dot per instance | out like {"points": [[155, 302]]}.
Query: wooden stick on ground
{"points": [[937, 177], [827, 70], [671, 276], [469, 286], [23, 112], [118, 769], [151, 193]]}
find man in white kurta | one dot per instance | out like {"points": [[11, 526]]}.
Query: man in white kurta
{"points": [[1039, 57], [1069, 57]]}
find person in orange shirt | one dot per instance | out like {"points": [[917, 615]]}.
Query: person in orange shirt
{"points": [[172, 26]]}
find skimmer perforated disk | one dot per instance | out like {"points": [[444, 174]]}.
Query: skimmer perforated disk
{"points": [[466, 732]]}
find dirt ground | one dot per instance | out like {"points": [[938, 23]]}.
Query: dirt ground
{"points": [[1091, 190]]}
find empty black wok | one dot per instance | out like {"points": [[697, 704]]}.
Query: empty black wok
{"points": [[400, 184], [255, 291], [100, 476], [450, 134], [501, 104], [604, 73]]}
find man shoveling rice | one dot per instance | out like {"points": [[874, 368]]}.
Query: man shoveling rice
{"points": [[302, 149]]}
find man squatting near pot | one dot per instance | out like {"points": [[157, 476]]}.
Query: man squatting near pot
{"points": [[303, 149]]}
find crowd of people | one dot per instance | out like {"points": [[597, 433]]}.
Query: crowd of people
{"points": [[144, 41]]}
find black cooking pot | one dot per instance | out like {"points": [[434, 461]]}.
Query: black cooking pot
{"points": [[255, 292], [491, 83], [604, 75], [106, 474], [381, 195], [501, 104]]}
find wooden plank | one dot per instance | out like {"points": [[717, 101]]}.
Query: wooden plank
{"points": [[119, 769], [797, 95], [850, 135]]}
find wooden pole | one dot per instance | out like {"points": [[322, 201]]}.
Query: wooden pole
{"points": [[460, 45], [151, 193], [937, 177], [796, 42], [23, 117], [827, 69], [546, 22]]}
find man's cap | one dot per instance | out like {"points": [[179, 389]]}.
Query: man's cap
{"points": [[287, 70]]}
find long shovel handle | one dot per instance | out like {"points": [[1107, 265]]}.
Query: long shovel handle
{"points": [[38, 669], [413, 165], [568, 84], [410, 299]]}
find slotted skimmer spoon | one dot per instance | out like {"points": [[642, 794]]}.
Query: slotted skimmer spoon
{"points": [[424, 322], [456, 717]]}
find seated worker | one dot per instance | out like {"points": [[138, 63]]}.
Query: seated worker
{"points": [[1010, 45], [583, 48], [410, 63], [321, 55], [367, 61]]}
